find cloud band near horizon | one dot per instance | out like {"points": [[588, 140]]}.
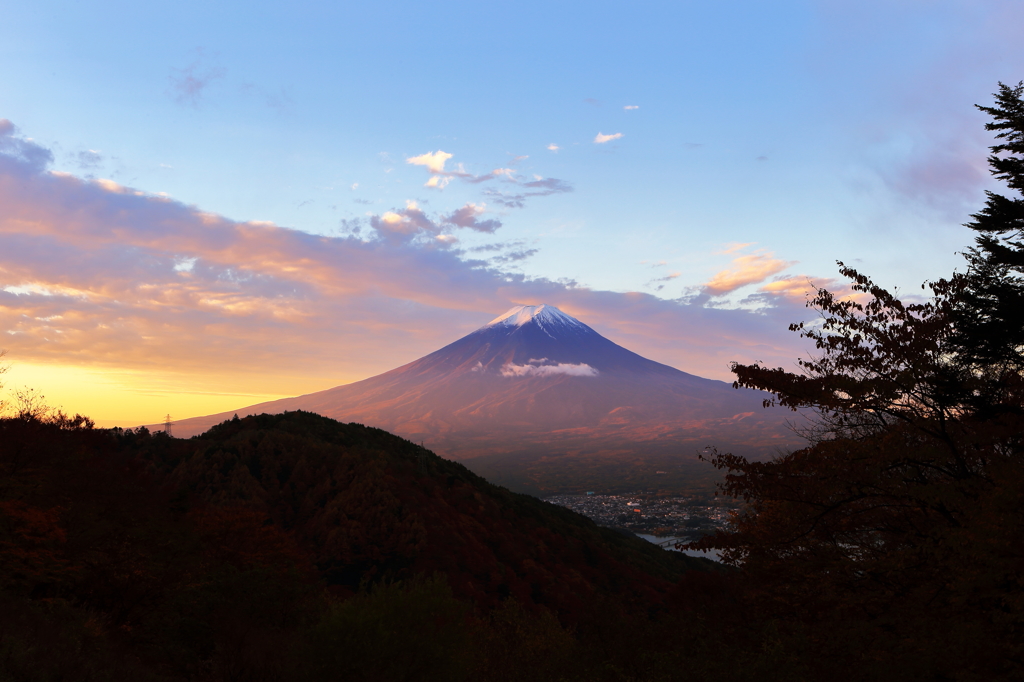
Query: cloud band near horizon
{"points": [[99, 275]]}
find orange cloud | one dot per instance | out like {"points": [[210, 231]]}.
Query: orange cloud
{"points": [[734, 247], [748, 269], [109, 278], [800, 287]]}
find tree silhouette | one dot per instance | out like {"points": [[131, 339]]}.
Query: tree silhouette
{"points": [[990, 314], [895, 540]]}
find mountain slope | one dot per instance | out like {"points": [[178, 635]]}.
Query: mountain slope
{"points": [[292, 547], [365, 502], [536, 382]]}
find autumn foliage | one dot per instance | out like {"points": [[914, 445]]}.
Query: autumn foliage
{"points": [[892, 547], [896, 539]]}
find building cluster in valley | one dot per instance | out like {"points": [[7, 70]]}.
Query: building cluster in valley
{"points": [[683, 516]]}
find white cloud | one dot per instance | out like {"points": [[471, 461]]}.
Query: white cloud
{"points": [[602, 138], [553, 147], [110, 185], [101, 281], [434, 161], [437, 181], [630, 107], [536, 370]]}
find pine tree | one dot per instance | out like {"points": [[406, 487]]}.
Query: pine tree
{"points": [[895, 540], [989, 317]]}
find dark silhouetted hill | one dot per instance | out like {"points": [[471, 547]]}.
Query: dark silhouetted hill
{"points": [[294, 547], [366, 503]]}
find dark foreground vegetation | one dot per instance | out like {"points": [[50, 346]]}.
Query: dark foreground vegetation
{"points": [[893, 546], [293, 547]]}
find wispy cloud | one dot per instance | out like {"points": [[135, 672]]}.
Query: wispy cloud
{"points": [[89, 159], [496, 173], [659, 282], [413, 222], [523, 190], [798, 288], [536, 188], [103, 275], [514, 256], [468, 215], [407, 221], [601, 138], [735, 247], [279, 101], [189, 84], [506, 253], [437, 181], [440, 178], [553, 147], [630, 107], [552, 184]]}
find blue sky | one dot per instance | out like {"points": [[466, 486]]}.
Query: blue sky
{"points": [[749, 146]]}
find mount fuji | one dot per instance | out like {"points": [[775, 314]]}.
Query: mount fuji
{"points": [[536, 384]]}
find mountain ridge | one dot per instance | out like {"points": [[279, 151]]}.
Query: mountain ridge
{"points": [[538, 382]]}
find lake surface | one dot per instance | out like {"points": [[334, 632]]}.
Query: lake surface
{"points": [[712, 554]]}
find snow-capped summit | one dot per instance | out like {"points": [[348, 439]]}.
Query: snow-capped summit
{"points": [[537, 382], [542, 315]]}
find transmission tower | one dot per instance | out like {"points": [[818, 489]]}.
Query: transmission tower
{"points": [[168, 424]]}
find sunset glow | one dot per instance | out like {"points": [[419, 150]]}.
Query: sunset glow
{"points": [[201, 216]]}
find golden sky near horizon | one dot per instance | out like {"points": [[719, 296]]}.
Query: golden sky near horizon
{"points": [[143, 306], [128, 398], [198, 214]]}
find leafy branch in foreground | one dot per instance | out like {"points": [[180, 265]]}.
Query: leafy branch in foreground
{"points": [[895, 540]]}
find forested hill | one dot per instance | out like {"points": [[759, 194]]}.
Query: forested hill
{"points": [[364, 503], [296, 547]]}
